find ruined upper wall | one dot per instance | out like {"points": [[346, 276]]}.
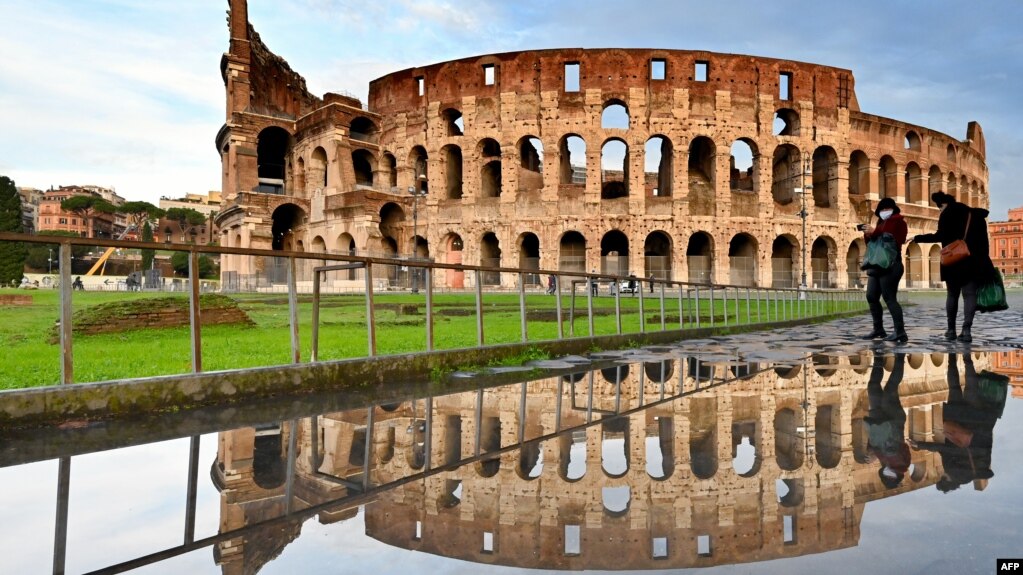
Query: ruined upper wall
{"points": [[612, 71]]}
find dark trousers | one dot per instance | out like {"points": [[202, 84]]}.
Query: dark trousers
{"points": [[886, 287], [969, 292]]}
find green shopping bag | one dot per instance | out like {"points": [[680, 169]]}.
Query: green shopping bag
{"points": [[991, 296], [881, 255]]}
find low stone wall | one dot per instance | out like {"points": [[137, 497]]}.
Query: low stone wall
{"points": [[162, 312], [8, 299]]}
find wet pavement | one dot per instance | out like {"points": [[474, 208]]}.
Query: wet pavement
{"points": [[800, 450]]}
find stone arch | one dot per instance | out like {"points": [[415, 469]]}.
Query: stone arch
{"points": [[790, 492], [700, 258], [392, 218], [419, 164], [786, 122], [272, 145], [615, 115], [657, 255], [300, 176], [828, 435], [317, 173], [614, 446], [823, 253], [859, 175], [364, 165], [614, 169], [454, 124], [616, 500], [490, 256], [950, 154], [742, 166], [391, 168], [490, 441], [286, 219], [529, 255], [742, 260], [530, 163], [453, 248], [953, 186], [853, 257], [572, 159], [452, 157], [345, 244], [746, 436], [572, 252], [934, 180], [886, 177], [617, 374], [703, 453], [934, 265], [659, 371], [788, 443], [364, 129], [783, 261], [915, 360], [788, 371], [911, 141], [912, 183], [660, 449], [825, 177], [915, 265], [530, 465], [824, 364], [572, 456], [490, 168], [702, 174], [614, 253], [268, 467], [786, 173], [658, 166]]}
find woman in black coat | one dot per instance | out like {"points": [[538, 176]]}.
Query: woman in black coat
{"points": [[965, 276]]}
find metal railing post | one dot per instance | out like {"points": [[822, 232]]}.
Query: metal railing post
{"points": [[681, 318], [193, 483], [698, 306], [479, 310], [557, 305], [713, 312], [368, 454], [67, 363], [663, 326], [522, 307], [429, 308], [194, 314], [618, 309], [315, 336], [749, 316], [428, 440], [293, 310], [642, 308], [63, 500], [371, 328], [591, 287]]}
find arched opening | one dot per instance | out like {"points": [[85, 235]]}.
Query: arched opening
{"points": [[572, 459], [490, 256], [614, 253], [268, 468], [660, 448], [616, 500], [827, 426], [364, 130], [824, 364], [859, 175], [657, 256], [317, 173], [346, 245], [271, 148], [953, 186], [531, 460], [286, 219], [530, 164], [490, 441], [452, 155], [746, 457], [659, 371], [615, 115], [886, 177], [788, 439], [915, 264], [419, 164], [572, 152], [300, 177], [825, 177], [790, 492], [453, 123], [364, 165], [913, 183], [783, 262], [853, 256], [658, 166], [453, 243], [391, 165], [933, 182], [703, 441], [786, 122], [572, 252], [912, 141], [742, 260], [934, 263], [964, 190], [821, 256], [702, 176], [616, 374], [614, 447], [741, 166], [490, 171], [700, 258], [529, 256], [614, 173], [786, 173]]}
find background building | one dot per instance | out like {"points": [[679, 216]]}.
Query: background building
{"points": [[30, 198], [1006, 251], [52, 218]]}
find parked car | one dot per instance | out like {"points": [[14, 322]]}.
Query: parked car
{"points": [[628, 286]]}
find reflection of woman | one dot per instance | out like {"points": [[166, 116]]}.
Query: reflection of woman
{"points": [[886, 422], [887, 285], [956, 222]]}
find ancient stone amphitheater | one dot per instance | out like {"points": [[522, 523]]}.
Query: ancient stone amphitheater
{"points": [[684, 165]]}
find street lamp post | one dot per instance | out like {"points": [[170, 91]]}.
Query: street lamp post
{"points": [[802, 216], [420, 179], [50, 262]]}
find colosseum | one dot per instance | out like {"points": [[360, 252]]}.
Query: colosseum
{"points": [[682, 165]]}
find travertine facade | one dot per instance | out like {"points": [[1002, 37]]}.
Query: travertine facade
{"points": [[623, 161], [727, 464]]}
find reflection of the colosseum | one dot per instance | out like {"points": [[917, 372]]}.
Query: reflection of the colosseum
{"points": [[670, 463]]}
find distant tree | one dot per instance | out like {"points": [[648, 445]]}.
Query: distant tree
{"points": [[179, 261], [39, 254], [147, 255], [12, 254], [86, 207], [186, 218], [138, 212]]}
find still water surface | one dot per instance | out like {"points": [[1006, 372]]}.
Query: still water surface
{"points": [[840, 462]]}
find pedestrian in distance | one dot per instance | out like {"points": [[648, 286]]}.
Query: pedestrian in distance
{"points": [[885, 285], [959, 221]]}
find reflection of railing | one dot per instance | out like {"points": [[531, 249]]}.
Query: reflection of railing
{"points": [[698, 305]]}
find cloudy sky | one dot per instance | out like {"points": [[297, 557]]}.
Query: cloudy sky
{"points": [[127, 93]]}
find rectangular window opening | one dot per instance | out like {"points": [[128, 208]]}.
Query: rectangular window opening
{"points": [[789, 529], [419, 531], [488, 74], [488, 542], [571, 76], [785, 86], [703, 545], [660, 547], [573, 542], [420, 86], [657, 69], [701, 71]]}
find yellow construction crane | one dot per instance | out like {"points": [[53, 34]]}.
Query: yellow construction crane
{"points": [[101, 263]]}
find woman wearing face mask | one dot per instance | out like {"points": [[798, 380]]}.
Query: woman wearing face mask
{"points": [[886, 286], [965, 276]]}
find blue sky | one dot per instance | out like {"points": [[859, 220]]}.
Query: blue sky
{"points": [[127, 93]]}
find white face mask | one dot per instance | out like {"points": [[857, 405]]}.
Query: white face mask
{"points": [[885, 214], [941, 208]]}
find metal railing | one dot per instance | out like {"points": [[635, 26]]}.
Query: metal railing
{"points": [[698, 305]]}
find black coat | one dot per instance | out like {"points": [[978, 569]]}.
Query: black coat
{"points": [[951, 226]]}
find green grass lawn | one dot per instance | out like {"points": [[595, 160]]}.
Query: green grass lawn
{"points": [[30, 359]]}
